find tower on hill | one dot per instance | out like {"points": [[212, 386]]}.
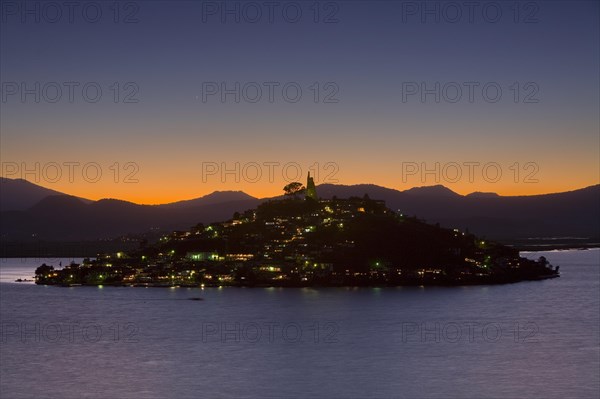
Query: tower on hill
{"points": [[311, 190]]}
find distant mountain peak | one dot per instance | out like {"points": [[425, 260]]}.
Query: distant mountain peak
{"points": [[60, 201], [234, 195], [20, 194], [216, 197], [481, 194], [112, 201], [437, 190]]}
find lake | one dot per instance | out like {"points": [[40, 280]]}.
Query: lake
{"points": [[532, 339]]}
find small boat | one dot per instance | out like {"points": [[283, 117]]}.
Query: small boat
{"points": [[196, 299]]}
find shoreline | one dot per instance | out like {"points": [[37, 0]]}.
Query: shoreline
{"points": [[477, 281], [415, 285]]}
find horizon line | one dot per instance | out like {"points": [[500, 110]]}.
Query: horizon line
{"points": [[280, 195]]}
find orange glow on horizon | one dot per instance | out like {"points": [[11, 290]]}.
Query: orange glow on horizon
{"points": [[156, 194]]}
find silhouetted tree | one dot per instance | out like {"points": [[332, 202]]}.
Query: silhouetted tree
{"points": [[294, 188], [44, 269]]}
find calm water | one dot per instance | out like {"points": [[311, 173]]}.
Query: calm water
{"points": [[532, 339]]}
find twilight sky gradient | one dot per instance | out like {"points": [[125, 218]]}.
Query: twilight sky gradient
{"points": [[373, 49]]}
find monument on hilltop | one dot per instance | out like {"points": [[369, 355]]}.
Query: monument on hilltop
{"points": [[311, 190]]}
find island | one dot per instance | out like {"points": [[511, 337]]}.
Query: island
{"points": [[300, 240]]}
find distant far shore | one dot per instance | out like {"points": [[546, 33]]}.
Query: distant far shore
{"points": [[553, 245]]}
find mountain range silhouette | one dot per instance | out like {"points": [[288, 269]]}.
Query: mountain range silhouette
{"points": [[30, 211]]}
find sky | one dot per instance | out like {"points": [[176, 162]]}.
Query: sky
{"points": [[159, 101]]}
